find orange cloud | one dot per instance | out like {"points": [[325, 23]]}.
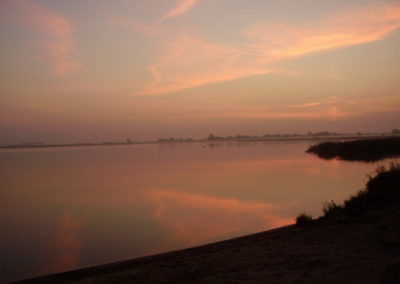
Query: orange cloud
{"points": [[306, 105], [362, 25], [53, 31], [198, 218], [332, 108], [332, 113], [378, 104], [181, 7], [190, 62]]}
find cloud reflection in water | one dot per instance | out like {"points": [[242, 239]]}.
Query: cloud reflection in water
{"points": [[199, 218]]}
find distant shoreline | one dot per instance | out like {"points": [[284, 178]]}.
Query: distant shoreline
{"points": [[273, 138]]}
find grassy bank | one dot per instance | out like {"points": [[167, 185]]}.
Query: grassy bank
{"points": [[368, 150], [381, 190]]}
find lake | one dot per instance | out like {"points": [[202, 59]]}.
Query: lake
{"points": [[71, 207]]}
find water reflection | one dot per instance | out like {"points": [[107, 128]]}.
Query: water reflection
{"points": [[65, 246], [197, 218], [69, 208]]}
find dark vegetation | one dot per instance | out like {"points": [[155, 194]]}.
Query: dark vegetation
{"points": [[370, 150], [381, 190], [308, 135], [304, 219], [175, 140]]}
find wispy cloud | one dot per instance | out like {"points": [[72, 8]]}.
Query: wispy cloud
{"points": [[181, 7], [331, 113], [306, 105], [328, 109], [333, 108], [53, 31], [190, 62], [366, 24]]}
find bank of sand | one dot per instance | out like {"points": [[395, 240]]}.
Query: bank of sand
{"points": [[362, 249]]}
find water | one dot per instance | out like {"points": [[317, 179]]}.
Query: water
{"points": [[67, 208]]}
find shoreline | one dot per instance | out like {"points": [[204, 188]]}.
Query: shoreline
{"points": [[260, 139]]}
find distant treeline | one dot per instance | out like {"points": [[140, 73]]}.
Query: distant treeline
{"points": [[212, 137], [360, 150], [277, 135], [172, 139]]}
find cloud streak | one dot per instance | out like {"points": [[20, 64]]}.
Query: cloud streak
{"points": [[190, 62], [306, 105], [332, 108], [181, 7], [279, 41], [53, 32]]}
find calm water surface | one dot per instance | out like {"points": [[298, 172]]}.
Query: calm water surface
{"points": [[66, 208]]}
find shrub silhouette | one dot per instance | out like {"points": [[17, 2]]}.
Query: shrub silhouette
{"points": [[331, 209], [380, 190], [303, 219]]}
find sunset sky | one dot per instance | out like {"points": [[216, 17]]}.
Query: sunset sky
{"points": [[101, 70]]}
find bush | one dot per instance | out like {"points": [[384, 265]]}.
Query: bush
{"points": [[330, 208], [380, 190], [303, 219]]}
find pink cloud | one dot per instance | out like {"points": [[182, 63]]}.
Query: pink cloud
{"points": [[190, 62], [331, 113], [362, 25], [332, 108], [306, 105], [181, 7], [53, 31]]}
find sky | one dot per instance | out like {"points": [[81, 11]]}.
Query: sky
{"points": [[100, 70]]}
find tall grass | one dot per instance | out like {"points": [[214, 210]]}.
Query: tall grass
{"points": [[381, 189]]}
